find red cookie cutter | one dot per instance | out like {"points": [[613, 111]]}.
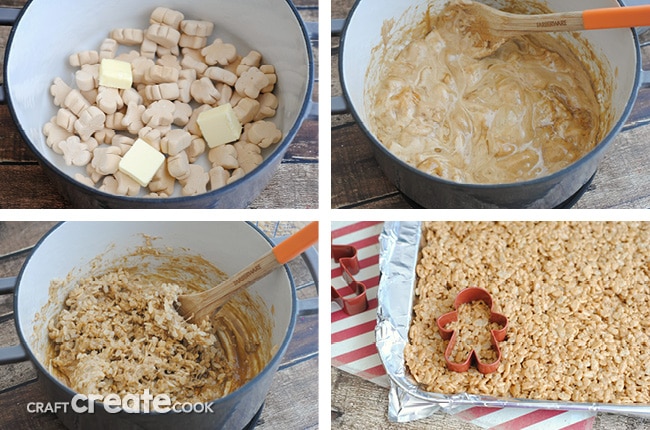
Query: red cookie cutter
{"points": [[346, 256], [469, 295]]}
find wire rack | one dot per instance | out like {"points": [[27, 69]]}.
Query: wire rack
{"points": [[306, 283]]}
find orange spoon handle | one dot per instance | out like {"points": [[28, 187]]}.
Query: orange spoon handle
{"points": [[295, 244], [616, 17]]}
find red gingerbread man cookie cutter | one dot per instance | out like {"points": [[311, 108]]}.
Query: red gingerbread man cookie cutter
{"points": [[469, 295]]}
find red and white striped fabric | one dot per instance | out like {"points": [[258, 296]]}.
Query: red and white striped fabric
{"points": [[354, 351], [353, 336]]}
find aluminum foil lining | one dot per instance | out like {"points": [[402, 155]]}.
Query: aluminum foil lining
{"points": [[400, 244]]}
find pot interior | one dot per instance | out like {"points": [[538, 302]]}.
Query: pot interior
{"points": [[376, 30], [49, 32], [75, 250]]}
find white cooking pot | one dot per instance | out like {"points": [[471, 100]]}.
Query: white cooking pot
{"points": [[48, 32], [617, 50], [79, 249]]}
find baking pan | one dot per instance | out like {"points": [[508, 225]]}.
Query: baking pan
{"points": [[400, 244]]}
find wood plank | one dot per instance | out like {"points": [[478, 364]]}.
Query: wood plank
{"points": [[622, 179], [302, 4], [25, 186], [15, 374], [639, 113], [340, 8], [294, 185], [617, 422], [395, 200], [293, 403], [14, 413], [304, 147], [13, 3], [16, 235], [357, 177], [304, 342], [357, 403], [13, 148]]}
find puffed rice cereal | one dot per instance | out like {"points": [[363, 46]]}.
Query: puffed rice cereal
{"points": [[576, 297]]}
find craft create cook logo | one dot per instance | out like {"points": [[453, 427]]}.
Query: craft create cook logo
{"points": [[113, 403]]}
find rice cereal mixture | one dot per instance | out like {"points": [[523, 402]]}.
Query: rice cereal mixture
{"points": [[119, 333], [575, 295], [473, 327]]}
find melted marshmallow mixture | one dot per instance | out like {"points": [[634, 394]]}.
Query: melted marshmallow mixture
{"points": [[460, 105], [120, 333]]}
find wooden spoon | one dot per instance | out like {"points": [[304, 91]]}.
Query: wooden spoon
{"points": [[495, 27], [593, 19], [195, 307]]}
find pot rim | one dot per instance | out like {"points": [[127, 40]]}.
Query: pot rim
{"points": [[248, 386], [278, 151], [553, 177]]}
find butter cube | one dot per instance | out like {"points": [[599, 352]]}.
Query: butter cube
{"points": [[219, 125], [115, 74], [141, 162]]}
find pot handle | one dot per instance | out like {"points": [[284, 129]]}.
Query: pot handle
{"points": [[16, 353], [7, 285], [312, 30], [312, 34], [8, 17], [645, 78], [339, 104], [645, 74], [312, 111]]}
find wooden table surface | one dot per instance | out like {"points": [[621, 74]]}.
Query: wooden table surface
{"points": [[292, 402], [25, 186], [622, 179]]}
